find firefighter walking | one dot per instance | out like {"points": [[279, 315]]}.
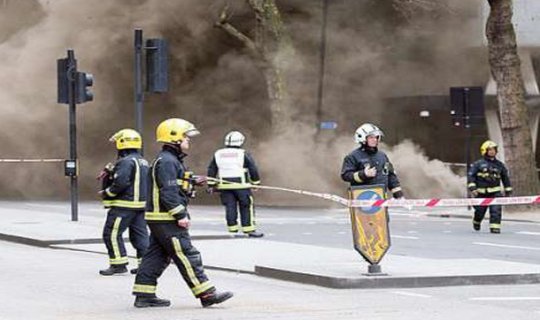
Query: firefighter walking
{"points": [[167, 215], [367, 165], [484, 181], [124, 193], [236, 172]]}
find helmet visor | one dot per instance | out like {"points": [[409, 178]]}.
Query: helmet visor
{"points": [[192, 133]]}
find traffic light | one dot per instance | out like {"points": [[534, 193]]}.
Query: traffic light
{"points": [[157, 65], [466, 105], [82, 91], [63, 80]]}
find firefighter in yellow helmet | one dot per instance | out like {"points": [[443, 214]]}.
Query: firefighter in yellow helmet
{"points": [[124, 193], [170, 187], [484, 181]]}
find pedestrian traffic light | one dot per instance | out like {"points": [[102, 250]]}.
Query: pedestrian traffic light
{"points": [[83, 82], [157, 65]]}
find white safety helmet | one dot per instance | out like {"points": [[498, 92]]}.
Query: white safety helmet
{"points": [[234, 139], [365, 130]]}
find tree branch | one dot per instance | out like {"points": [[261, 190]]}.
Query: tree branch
{"points": [[223, 23]]}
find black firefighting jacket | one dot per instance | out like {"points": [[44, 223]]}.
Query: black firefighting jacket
{"points": [[485, 176], [126, 184], [355, 162], [170, 187]]}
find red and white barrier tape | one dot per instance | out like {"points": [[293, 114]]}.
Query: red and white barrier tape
{"points": [[407, 203], [459, 202]]}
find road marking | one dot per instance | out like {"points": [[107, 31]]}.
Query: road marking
{"points": [[341, 232], [412, 232], [447, 231], [404, 237], [505, 246], [312, 222], [307, 233], [504, 298], [529, 233], [411, 294]]}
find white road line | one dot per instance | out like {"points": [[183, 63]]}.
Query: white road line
{"points": [[505, 246], [447, 231], [307, 233], [341, 232], [412, 232], [404, 237], [504, 298], [411, 294], [529, 233]]}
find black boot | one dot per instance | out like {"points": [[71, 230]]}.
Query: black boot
{"points": [[134, 270], [145, 302], [495, 230], [255, 234], [476, 226], [113, 270], [215, 298]]}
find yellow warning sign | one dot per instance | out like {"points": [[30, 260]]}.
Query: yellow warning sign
{"points": [[370, 230]]}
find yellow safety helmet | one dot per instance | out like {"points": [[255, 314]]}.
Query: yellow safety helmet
{"points": [[127, 139], [174, 130], [486, 145]]}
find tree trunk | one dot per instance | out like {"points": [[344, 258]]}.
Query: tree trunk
{"points": [[272, 52], [505, 68]]}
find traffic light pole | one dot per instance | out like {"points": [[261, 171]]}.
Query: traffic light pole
{"points": [[72, 72], [467, 126], [139, 94]]}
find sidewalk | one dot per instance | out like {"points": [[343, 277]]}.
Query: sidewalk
{"points": [[48, 225]]}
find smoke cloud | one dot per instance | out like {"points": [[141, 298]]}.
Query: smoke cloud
{"points": [[372, 53]]}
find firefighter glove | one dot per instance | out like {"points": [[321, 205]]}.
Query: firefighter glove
{"points": [[370, 171]]}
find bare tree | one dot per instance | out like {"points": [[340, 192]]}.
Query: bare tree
{"points": [[505, 68], [271, 50]]}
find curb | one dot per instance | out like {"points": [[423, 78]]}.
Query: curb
{"points": [[382, 282], [49, 243]]}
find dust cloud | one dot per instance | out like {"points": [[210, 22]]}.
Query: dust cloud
{"points": [[372, 53]]}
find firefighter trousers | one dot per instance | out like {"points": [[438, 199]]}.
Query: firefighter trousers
{"points": [[118, 220], [495, 212], [239, 200], [171, 242]]}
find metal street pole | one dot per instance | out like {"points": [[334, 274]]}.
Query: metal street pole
{"points": [[322, 58], [139, 94], [72, 72], [467, 126]]}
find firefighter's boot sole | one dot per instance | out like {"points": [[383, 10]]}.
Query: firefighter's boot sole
{"points": [[215, 298], [113, 270], [145, 302]]}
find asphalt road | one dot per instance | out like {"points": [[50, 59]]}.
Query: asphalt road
{"points": [[413, 233], [43, 283]]}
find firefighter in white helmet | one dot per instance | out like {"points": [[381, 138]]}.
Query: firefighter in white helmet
{"points": [[236, 172], [367, 165]]}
